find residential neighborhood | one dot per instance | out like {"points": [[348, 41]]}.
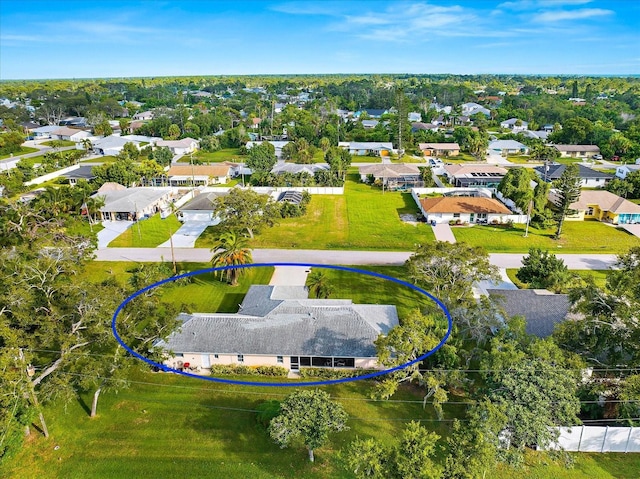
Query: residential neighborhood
{"points": [[384, 275]]}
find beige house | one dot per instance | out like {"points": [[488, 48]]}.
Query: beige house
{"points": [[466, 209], [601, 205], [199, 175], [439, 149], [578, 151], [280, 326], [180, 147]]}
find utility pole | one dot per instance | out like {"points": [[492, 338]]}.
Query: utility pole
{"points": [[526, 231], [30, 371]]}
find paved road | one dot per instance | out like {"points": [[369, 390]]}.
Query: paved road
{"points": [[384, 258]]}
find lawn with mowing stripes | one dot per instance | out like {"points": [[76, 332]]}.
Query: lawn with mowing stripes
{"points": [[364, 218], [577, 237], [148, 233], [599, 276]]}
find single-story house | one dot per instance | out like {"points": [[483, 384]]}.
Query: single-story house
{"points": [[44, 132], [111, 145], [69, 134], [542, 309], [474, 175], [200, 208], [362, 148], [199, 175], [132, 203], [601, 205], [74, 121], [369, 124], [371, 112], [392, 175], [417, 126], [439, 149], [577, 151], [180, 147], [280, 326], [83, 172], [277, 145], [143, 116], [471, 108], [296, 168], [414, 116], [537, 135], [510, 147], [29, 126], [624, 170], [515, 125], [467, 209], [588, 177], [151, 140]]}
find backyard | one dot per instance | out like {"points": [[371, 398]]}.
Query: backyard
{"points": [[225, 154]]}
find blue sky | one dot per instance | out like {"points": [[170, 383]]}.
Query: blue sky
{"points": [[79, 39]]}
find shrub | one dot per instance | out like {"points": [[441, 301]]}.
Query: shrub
{"points": [[242, 370], [327, 373]]}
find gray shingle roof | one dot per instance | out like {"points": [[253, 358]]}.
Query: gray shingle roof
{"points": [[555, 172], [542, 309], [131, 199], [286, 327]]}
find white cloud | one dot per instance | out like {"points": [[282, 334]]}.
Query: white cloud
{"points": [[535, 4], [560, 15]]}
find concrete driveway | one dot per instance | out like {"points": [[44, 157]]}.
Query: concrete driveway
{"points": [[633, 229], [112, 229], [187, 235]]}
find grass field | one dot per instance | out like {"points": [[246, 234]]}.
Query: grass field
{"points": [[58, 143], [225, 154], [171, 426], [363, 218], [577, 237], [148, 233]]}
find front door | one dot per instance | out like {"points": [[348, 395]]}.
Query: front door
{"points": [[206, 361], [295, 364], [472, 217]]}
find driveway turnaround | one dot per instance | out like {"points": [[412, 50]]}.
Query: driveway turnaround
{"points": [[112, 229], [187, 235]]}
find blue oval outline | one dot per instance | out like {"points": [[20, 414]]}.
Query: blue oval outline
{"points": [[166, 368]]}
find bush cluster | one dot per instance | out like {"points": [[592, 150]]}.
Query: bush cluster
{"points": [[327, 373]]}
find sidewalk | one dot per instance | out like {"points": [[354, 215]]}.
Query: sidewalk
{"points": [[442, 232]]}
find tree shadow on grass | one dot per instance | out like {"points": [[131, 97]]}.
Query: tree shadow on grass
{"points": [[83, 404], [409, 207]]}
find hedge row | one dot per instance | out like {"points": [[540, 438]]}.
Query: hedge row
{"points": [[242, 370], [328, 373]]}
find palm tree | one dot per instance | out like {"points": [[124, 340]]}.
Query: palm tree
{"points": [[318, 284], [231, 249]]}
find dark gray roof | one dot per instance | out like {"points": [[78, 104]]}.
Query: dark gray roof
{"points": [[541, 308], [286, 327], [291, 196], [83, 172], [555, 172], [202, 202]]}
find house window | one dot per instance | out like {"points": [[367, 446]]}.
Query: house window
{"points": [[589, 211], [456, 215], [280, 359], [215, 356], [241, 358], [179, 355]]}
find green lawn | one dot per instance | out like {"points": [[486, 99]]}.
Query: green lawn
{"points": [[58, 143], [363, 218], [577, 237], [23, 151], [225, 154], [148, 233], [171, 426], [102, 159]]}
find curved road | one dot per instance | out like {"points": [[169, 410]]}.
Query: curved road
{"points": [[388, 258]]}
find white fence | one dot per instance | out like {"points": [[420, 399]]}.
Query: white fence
{"points": [[313, 190], [52, 175], [597, 439]]}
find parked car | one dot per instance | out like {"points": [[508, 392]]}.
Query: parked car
{"points": [[597, 157]]}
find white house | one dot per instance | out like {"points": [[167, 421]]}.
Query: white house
{"points": [[180, 147], [111, 145], [414, 116], [143, 116], [624, 170], [466, 209], [44, 132], [200, 208], [578, 151], [470, 109], [280, 326], [69, 134], [362, 148], [508, 147], [132, 203], [203, 175], [515, 125]]}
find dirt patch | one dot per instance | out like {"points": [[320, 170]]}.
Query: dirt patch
{"points": [[409, 218]]}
